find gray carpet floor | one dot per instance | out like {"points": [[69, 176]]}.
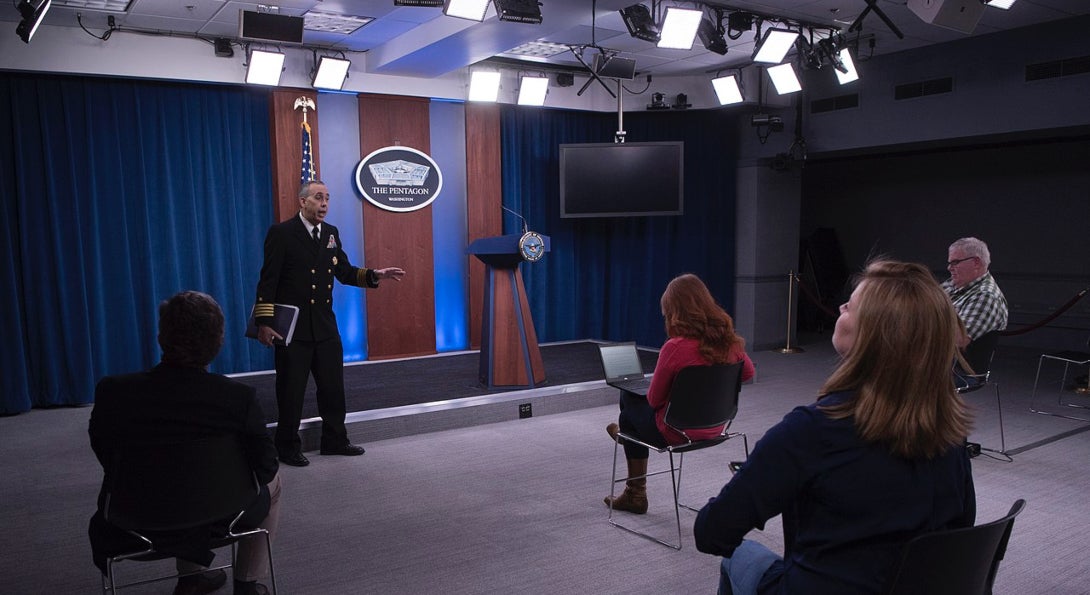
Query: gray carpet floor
{"points": [[516, 506]]}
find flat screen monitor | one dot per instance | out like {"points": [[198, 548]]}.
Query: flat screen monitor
{"points": [[621, 179]]}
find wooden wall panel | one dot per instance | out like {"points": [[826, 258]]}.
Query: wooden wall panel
{"points": [[287, 148], [483, 196], [400, 316]]}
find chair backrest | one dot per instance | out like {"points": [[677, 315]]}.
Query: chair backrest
{"points": [[167, 486], [978, 353], [954, 562], [704, 396]]}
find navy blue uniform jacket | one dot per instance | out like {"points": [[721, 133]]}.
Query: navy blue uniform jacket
{"points": [[300, 272]]}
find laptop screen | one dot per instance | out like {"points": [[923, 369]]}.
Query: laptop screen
{"points": [[620, 360]]}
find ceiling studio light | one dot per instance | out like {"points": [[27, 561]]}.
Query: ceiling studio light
{"points": [[639, 23], [431, 3], [727, 89], [849, 65], [679, 28], [532, 90], [519, 11], [484, 85], [331, 73], [466, 9], [32, 18], [784, 79], [774, 45], [1004, 4], [712, 37], [265, 68]]}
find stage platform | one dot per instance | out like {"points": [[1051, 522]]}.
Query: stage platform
{"points": [[392, 398]]}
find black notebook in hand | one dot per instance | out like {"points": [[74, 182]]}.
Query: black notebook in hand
{"points": [[284, 317]]}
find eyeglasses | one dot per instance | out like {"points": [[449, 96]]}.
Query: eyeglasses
{"points": [[953, 263]]}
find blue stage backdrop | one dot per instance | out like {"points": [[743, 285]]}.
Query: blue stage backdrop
{"points": [[603, 277], [116, 195]]}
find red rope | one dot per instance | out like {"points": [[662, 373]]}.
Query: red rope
{"points": [[1047, 319], [1006, 333], [816, 300]]}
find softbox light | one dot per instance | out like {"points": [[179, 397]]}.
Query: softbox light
{"points": [[784, 79], [265, 68], [679, 28], [850, 73], [727, 90], [472, 10], [330, 73], [774, 45], [532, 90], [484, 85]]}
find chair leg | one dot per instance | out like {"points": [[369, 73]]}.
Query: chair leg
{"points": [[109, 582], [675, 478], [1059, 395], [268, 552], [1002, 452], [1033, 395], [644, 475]]}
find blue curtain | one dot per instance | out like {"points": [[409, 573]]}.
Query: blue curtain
{"points": [[117, 194], [603, 277]]}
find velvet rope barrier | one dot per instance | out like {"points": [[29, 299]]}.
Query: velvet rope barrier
{"points": [[814, 299], [1064, 308]]}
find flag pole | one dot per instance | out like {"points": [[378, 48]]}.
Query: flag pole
{"points": [[308, 171]]}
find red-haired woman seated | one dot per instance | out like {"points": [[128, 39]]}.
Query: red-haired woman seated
{"points": [[699, 333]]}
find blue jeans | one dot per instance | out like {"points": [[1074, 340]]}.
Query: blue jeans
{"points": [[744, 571]]}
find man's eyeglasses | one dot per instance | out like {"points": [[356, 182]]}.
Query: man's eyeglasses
{"points": [[953, 263]]}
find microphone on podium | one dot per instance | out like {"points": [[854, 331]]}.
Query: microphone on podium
{"points": [[521, 218], [531, 244]]}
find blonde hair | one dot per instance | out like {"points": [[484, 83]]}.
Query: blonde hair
{"points": [[899, 365], [689, 310]]}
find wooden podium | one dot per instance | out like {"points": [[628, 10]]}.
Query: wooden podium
{"points": [[510, 357]]}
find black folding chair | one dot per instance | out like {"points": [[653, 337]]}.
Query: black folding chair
{"points": [[978, 354], [700, 397], [193, 484], [956, 561]]}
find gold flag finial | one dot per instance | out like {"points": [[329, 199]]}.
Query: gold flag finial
{"points": [[305, 103]]}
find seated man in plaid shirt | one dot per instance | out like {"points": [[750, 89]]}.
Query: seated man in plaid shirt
{"points": [[978, 300]]}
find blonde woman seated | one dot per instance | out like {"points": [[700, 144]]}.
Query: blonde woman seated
{"points": [[699, 333], [879, 458]]}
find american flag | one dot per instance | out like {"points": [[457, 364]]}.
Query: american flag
{"points": [[307, 172]]}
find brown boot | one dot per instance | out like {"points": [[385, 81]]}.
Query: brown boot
{"points": [[612, 430], [634, 497]]}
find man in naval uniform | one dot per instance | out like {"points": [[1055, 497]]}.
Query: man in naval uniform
{"points": [[302, 257]]}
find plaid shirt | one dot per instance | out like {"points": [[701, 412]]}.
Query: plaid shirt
{"points": [[980, 305]]}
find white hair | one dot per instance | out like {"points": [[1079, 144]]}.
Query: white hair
{"points": [[973, 247]]}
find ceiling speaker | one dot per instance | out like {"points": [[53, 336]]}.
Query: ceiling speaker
{"points": [[959, 15], [266, 26]]}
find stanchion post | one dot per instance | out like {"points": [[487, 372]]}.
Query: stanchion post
{"points": [[790, 302]]}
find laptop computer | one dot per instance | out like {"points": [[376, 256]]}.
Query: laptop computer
{"points": [[622, 367]]}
